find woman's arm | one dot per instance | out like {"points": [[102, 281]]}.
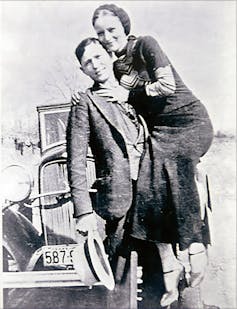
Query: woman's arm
{"points": [[158, 67]]}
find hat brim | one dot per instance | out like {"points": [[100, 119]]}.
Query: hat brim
{"points": [[99, 260]]}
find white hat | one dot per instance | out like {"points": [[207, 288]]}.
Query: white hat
{"points": [[91, 262]]}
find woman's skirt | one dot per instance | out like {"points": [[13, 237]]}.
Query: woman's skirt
{"points": [[166, 205]]}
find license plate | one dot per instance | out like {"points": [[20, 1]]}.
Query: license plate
{"points": [[58, 255]]}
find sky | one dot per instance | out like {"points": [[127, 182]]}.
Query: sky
{"points": [[38, 65]]}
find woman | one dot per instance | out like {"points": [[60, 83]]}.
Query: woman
{"points": [[181, 132]]}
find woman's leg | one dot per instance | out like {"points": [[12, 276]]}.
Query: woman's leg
{"points": [[172, 270], [168, 258]]}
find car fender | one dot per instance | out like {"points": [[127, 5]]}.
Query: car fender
{"points": [[20, 238]]}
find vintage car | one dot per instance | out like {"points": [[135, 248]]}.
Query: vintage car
{"points": [[52, 255]]}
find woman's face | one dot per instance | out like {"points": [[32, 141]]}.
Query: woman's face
{"points": [[110, 33]]}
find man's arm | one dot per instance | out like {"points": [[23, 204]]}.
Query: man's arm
{"points": [[78, 132]]}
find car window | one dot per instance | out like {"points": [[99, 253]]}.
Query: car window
{"points": [[52, 125], [55, 127], [53, 178]]}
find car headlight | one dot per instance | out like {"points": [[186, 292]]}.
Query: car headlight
{"points": [[16, 183]]}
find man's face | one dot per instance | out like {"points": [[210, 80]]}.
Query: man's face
{"points": [[96, 63]]}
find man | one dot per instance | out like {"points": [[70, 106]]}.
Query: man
{"points": [[118, 139]]}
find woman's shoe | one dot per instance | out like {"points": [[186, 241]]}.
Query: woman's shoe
{"points": [[171, 281], [168, 298]]}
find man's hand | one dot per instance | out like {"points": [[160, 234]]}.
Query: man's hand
{"points": [[114, 94], [86, 223]]}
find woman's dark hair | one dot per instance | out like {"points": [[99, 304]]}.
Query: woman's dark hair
{"points": [[81, 47], [116, 11]]}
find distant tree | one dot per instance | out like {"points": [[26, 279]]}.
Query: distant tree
{"points": [[64, 78], [220, 134]]}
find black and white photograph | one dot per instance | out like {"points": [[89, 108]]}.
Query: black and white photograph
{"points": [[118, 154]]}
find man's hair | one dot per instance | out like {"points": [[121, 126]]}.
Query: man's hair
{"points": [[82, 46]]}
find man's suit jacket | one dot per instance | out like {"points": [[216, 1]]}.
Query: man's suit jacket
{"points": [[94, 122]]}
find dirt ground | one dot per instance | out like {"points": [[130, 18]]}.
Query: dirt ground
{"points": [[219, 286]]}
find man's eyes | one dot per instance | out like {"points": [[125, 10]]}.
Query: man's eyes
{"points": [[89, 62]]}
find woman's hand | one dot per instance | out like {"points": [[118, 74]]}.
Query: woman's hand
{"points": [[114, 94], [75, 98]]}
